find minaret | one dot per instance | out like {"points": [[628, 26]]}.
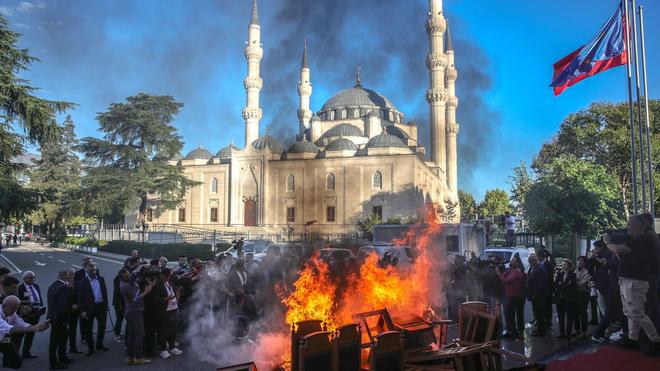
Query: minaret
{"points": [[452, 127], [436, 95], [253, 83], [304, 92]]}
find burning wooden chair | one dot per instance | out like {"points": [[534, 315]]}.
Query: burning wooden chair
{"points": [[250, 366], [419, 333], [476, 325], [301, 329], [315, 352], [347, 348], [476, 357], [387, 352]]}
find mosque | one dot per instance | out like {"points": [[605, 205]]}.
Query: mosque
{"points": [[354, 157]]}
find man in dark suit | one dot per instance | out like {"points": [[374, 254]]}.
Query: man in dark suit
{"points": [[59, 311], [29, 291], [92, 302], [537, 293]]}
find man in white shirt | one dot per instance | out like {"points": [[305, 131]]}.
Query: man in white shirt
{"points": [[510, 222], [11, 324]]}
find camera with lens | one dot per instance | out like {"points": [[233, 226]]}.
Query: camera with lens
{"points": [[618, 236], [30, 310]]}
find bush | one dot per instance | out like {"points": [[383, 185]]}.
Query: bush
{"points": [[79, 241], [155, 250]]}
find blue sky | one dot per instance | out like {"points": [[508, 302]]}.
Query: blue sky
{"points": [[94, 53]]}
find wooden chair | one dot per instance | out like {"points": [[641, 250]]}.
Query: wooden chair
{"points": [[387, 352], [476, 357], [347, 348], [479, 306], [301, 329], [242, 367], [315, 352], [477, 327]]}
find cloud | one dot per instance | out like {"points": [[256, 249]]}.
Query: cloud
{"points": [[27, 7], [6, 11]]}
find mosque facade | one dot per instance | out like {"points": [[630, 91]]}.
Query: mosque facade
{"points": [[354, 157]]}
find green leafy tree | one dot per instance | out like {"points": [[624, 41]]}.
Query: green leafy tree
{"points": [[468, 205], [573, 196], [600, 135], [129, 164], [24, 119], [521, 182], [58, 175], [495, 203], [366, 225]]}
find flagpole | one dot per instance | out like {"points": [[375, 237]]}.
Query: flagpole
{"points": [[630, 112], [646, 109], [642, 159]]}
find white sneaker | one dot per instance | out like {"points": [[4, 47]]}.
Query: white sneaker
{"points": [[118, 339], [165, 354], [176, 351]]}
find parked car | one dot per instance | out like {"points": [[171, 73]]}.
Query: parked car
{"points": [[256, 247], [333, 256], [504, 254], [405, 255]]}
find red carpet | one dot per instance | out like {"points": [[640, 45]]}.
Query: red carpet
{"points": [[606, 359]]}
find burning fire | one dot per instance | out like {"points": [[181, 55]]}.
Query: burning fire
{"points": [[317, 295]]}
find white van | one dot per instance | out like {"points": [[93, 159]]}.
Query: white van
{"points": [[504, 254], [404, 254]]}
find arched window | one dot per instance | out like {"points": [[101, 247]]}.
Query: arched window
{"points": [[356, 113], [377, 180], [332, 115], [330, 182], [343, 113], [290, 184], [214, 185]]}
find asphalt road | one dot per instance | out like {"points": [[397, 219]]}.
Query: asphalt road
{"points": [[45, 262]]}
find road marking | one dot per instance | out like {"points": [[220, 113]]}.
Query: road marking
{"points": [[40, 263], [50, 257], [12, 264], [94, 257], [41, 253], [61, 261], [76, 266]]}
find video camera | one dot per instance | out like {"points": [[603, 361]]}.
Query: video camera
{"points": [[29, 309], [618, 236]]}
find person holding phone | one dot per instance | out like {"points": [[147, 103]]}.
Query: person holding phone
{"points": [[10, 324]]}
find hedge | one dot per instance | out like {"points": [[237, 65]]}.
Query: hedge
{"points": [[155, 250], [81, 241]]}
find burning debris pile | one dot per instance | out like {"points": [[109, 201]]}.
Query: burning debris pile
{"points": [[325, 293]]}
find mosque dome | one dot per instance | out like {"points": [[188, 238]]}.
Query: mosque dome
{"points": [[341, 144], [343, 130], [199, 154], [385, 140], [303, 147], [357, 96], [393, 130], [226, 151], [268, 142]]}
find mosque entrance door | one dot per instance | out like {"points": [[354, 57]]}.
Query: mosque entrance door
{"points": [[250, 213]]}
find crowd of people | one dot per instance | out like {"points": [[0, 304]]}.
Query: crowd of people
{"points": [[616, 286]]}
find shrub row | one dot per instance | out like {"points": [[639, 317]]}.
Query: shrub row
{"points": [[154, 250], [81, 241]]}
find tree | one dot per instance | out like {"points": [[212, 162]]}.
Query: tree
{"points": [[366, 225], [495, 203], [20, 110], [467, 204], [129, 164], [58, 175], [521, 182], [600, 134], [573, 196]]}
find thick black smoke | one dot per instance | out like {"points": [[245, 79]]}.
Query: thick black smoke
{"points": [[389, 41]]}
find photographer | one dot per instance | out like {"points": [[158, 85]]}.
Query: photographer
{"points": [[30, 295], [134, 313], [12, 324], [167, 314], [606, 280], [639, 265]]}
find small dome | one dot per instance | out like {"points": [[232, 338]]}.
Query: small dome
{"points": [[357, 96], [342, 130], [199, 154], [393, 130], [226, 151], [303, 147], [385, 140], [341, 144], [268, 142]]}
